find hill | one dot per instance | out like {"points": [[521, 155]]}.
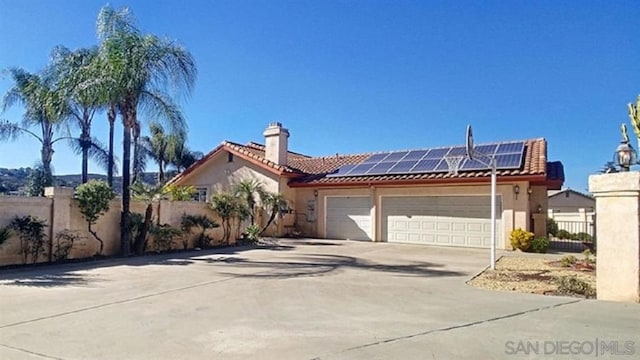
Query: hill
{"points": [[13, 181]]}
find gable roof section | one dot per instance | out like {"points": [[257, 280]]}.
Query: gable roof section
{"points": [[306, 171], [558, 193]]}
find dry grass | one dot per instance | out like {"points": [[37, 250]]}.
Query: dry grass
{"points": [[528, 275]]}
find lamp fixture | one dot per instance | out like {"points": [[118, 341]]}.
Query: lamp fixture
{"points": [[529, 191], [315, 193], [516, 190], [539, 209]]}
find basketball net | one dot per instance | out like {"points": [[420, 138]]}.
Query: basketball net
{"points": [[454, 163]]}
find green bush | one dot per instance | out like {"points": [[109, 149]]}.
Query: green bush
{"points": [[589, 256], [539, 245], [571, 285], [64, 243], [552, 227], [163, 237], [568, 261], [582, 236], [563, 234], [521, 239], [30, 230], [253, 232], [93, 200]]}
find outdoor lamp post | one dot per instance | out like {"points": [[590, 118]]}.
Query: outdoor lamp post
{"points": [[625, 156]]}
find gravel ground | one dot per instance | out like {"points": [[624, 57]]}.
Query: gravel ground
{"points": [[526, 274]]}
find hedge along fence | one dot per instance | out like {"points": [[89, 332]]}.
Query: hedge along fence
{"points": [[61, 213]]}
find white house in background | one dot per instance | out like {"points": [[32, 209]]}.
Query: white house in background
{"points": [[572, 210], [396, 196]]}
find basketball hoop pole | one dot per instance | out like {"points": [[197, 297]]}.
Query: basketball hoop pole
{"points": [[471, 154], [493, 213]]}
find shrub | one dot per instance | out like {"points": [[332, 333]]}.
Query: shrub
{"points": [[64, 243], [521, 239], [200, 222], [253, 231], [181, 193], [30, 230], [588, 256], [5, 234], [163, 237], [539, 245], [582, 236], [568, 261], [571, 285], [552, 227], [563, 234]]}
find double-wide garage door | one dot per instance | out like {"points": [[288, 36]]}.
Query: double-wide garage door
{"points": [[439, 220]]}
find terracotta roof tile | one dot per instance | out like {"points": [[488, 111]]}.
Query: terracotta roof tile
{"points": [[312, 171]]}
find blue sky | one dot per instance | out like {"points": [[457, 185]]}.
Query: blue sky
{"points": [[359, 76]]}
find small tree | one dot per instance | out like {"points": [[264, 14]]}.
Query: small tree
{"points": [[247, 190], [30, 230], [180, 193], [274, 203], [225, 205], [93, 200]]}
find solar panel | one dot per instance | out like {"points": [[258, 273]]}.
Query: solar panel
{"points": [[415, 155], [424, 166], [360, 169], [437, 153], [508, 155], [402, 167], [510, 148], [396, 156], [508, 161], [380, 168], [375, 158], [342, 171]]}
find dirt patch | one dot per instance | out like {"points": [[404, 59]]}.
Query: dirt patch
{"points": [[528, 275]]}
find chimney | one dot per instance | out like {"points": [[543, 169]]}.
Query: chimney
{"points": [[275, 141]]}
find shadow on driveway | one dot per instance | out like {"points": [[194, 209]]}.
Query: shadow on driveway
{"points": [[318, 265]]}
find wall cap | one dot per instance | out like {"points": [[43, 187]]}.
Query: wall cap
{"points": [[624, 183]]}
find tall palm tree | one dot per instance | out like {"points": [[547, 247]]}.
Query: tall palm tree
{"points": [[79, 75], [143, 67], [162, 147], [45, 108], [249, 190]]}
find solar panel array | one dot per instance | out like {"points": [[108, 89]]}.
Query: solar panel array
{"points": [[508, 155]]}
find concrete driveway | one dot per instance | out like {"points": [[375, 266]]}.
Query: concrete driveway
{"points": [[297, 299]]}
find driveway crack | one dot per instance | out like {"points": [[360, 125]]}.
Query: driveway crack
{"points": [[455, 327], [31, 352]]}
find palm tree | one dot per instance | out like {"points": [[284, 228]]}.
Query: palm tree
{"points": [[143, 66], [79, 75], [185, 157], [247, 190], [275, 204], [162, 147], [148, 194], [225, 205], [44, 107]]}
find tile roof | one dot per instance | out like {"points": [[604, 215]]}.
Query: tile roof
{"points": [[311, 171]]}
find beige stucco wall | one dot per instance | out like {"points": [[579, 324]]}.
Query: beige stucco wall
{"points": [[618, 232], [218, 174], [12, 206]]}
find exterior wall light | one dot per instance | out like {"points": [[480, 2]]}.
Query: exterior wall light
{"points": [[516, 190], [529, 191], [315, 193], [539, 209]]}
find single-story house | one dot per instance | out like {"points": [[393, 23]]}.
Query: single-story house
{"points": [[398, 196]]}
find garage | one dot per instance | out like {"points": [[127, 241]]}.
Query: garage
{"points": [[348, 217], [440, 220]]}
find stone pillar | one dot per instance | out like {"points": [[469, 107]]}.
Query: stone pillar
{"points": [[540, 224], [60, 212], [618, 235]]}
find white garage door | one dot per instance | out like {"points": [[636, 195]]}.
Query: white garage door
{"points": [[348, 218], [440, 220]]}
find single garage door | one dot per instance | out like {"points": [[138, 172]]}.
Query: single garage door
{"points": [[440, 220], [348, 217]]}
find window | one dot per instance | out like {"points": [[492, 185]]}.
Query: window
{"points": [[200, 195], [229, 157]]}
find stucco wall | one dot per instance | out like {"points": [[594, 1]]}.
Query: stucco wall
{"points": [[61, 212], [218, 174]]}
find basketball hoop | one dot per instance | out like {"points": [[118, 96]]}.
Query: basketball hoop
{"points": [[454, 163], [469, 143]]}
